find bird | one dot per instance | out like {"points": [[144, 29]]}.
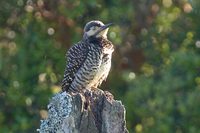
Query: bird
{"points": [[88, 62]]}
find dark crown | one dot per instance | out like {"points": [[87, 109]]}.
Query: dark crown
{"points": [[91, 24]]}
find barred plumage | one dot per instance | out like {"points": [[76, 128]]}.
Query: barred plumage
{"points": [[88, 61]]}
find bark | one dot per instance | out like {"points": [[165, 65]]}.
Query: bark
{"points": [[96, 112]]}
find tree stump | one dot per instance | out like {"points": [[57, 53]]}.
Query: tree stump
{"points": [[77, 113]]}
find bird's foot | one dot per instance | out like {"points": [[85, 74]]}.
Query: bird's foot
{"points": [[108, 95], [88, 96], [88, 93]]}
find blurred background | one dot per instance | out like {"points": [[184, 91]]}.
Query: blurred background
{"points": [[155, 66]]}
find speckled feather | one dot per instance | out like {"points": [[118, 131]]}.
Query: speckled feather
{"points": [[87, 64], [75, 59]]}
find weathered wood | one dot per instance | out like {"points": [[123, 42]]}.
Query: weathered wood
{"points": [[94, 113]]}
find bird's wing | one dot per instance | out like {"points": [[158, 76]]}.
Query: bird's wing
{"points": [[86, 73], [75, 58]]}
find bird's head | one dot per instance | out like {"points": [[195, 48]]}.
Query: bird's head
{"points": [[96, 29]]}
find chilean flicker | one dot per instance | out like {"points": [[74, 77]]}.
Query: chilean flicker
{"points": [[88, 61]]}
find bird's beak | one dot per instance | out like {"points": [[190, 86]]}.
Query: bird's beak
{"points": [[103, 28]]}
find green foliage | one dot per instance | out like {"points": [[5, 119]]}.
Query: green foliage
{"points": [[155, 71]]}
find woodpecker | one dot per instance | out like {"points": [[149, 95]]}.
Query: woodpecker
{"points": [[88, 61]]}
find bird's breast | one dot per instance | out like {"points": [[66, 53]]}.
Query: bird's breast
{"points": [[103, 70]]}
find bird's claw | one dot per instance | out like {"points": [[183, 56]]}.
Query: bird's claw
{"points": [[88, 95]]}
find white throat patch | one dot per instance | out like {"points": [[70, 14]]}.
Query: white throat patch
{"points": [[103, 33]]}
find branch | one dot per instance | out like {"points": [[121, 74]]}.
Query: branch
{"points": [[97, 113]]}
